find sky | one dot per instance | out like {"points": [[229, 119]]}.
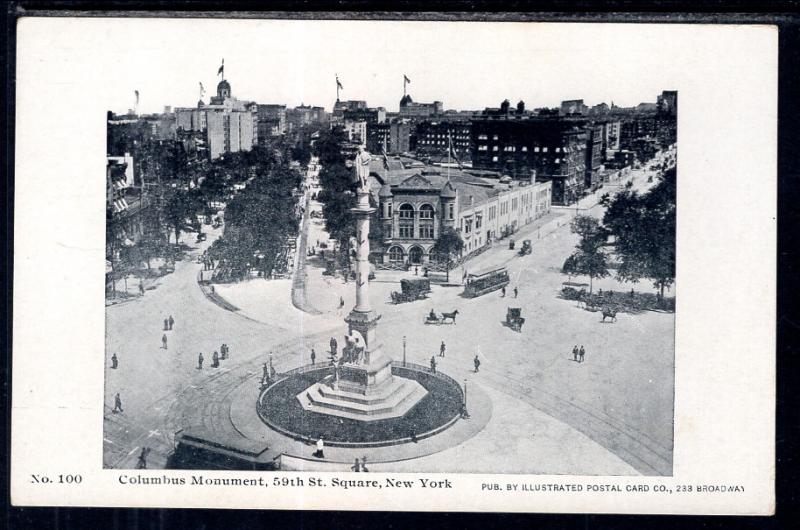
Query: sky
{"points": [[467, 65]]}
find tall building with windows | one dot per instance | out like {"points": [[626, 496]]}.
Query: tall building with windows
{"points": [[411, 109], [433, 138], [230, 125]]}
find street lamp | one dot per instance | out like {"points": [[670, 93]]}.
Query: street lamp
{"points": [[464, 413], [404, 350]]}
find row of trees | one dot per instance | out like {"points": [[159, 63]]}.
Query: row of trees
{"points": [[638, 229]]}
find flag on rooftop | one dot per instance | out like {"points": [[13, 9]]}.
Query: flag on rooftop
{"points": [[221, 68], [338, 83], [406, 79]]}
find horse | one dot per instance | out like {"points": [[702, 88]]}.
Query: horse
{"points": [[610, 313], [451, 316]]}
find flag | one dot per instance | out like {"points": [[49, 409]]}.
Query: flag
{"points": [[137, 96], [202, 90], [338, 84], [406, 79], [221, 68]]}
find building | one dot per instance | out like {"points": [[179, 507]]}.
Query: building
{"points": [[411, 109], [434, 137], [230, 125], [417, 203], [573, 106], [594, 156], [356, 131], [667, 103], [550, 147], [271, 121], [304, 116], [394, 137]]}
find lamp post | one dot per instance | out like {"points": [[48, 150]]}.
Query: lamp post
{"points": [[464, 413], [404, 350]]}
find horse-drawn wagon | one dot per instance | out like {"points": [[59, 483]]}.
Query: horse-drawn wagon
{"points": [[514, 318], [411, 290]]}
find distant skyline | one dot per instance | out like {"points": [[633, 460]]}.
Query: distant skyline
{"points": [[467, 65]]}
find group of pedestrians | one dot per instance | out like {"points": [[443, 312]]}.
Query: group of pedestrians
{"points": [[503, 292], [168, 323], [216, 357], [578, 354]]}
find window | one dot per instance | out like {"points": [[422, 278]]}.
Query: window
{"points": [[478, 220], [524, 148], [389, 210], [494, 137], [450, 210], [426, 211], [544, 149], [426, 231], [536, 149], [483, 148], [558, 149], [406, 211], [558, 160], [495, 148], [482, 137], [406, 229], [494, 159], [395, 255]]}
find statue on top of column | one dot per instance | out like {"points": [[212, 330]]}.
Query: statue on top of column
{"points": [[362, 169]]}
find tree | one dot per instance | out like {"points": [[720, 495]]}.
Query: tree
{"points": [[448, 244], [589, 259], [643, 227], [180, 211]]}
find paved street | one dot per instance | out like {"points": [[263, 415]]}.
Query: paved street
{"points": [[609, 415]]}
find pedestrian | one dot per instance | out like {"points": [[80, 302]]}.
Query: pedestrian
{"points": [[433, 364], [117, 404], [356, 466], [166, 324], [223, 355], [142, 464], [201, 276], [333, 345], [114, 361], [425, 271], [141, 288], [320, 452], [341, 302], [581, 353], [171, 322], [575, 353], [364, 464], [515, 292], [265, 373], [200, 361], [164, 341], [477, 363], [442, 349], [632, 294], [313, 356], [503, 291], [215, 360], [416, 271]]}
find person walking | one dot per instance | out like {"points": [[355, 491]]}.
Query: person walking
{"points": [[215, 360], [515, 292], [433, 364], [171, 322], [356, 466], [114, 363], [341, 302], [477, 363], [442, 349], [117, 404], [166, 324], [575, 353], [201, 276], [200, 361], [333, 345], [503, 290], [164, 341], [313, 356], [141, 288], [320, 452], [364, 464], [581, 353], [142, 463]]}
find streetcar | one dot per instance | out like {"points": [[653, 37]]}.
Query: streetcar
{"points": [[486, 281]]}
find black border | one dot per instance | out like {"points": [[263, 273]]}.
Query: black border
{"points": [[783, 13]]}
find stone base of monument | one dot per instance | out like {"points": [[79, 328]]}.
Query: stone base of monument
{"points": [[366, 392]]}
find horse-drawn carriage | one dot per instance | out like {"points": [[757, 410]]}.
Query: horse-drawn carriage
{"points": [[514, 318], [433, 318], [526, 248], [411, 290]]}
